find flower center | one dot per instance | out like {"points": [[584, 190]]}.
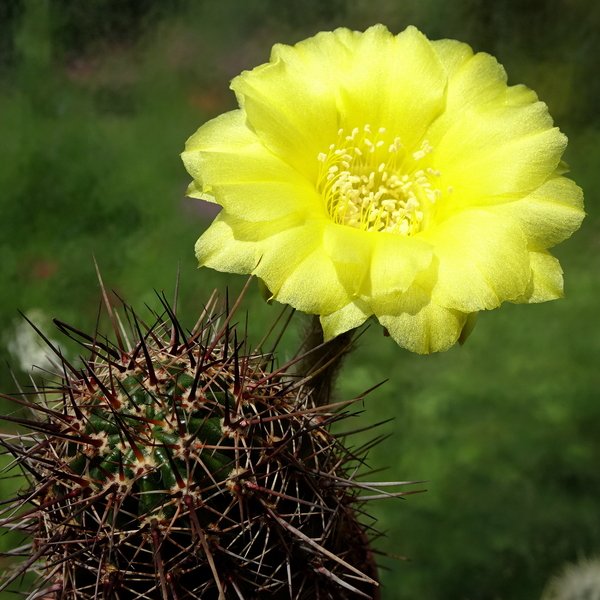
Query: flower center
{"points": [[369, 181]]}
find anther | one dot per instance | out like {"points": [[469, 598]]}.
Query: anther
{"points": [[380, 196]]}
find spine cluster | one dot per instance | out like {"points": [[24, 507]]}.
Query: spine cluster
{"points": [[176, 465]]}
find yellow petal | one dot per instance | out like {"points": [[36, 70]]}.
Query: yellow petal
{"points": [[373, 264], [196, 190], [546, 279], [292, 101], [281, 253], [218, 248], [453, 55], [395, 82], [349, 245], [351, 316], [468, 327], [233, 245], [520, 94], [506, 150], [298, 101], [474, 80], [350, 250], [229, 163], [483, 261], [548, 215], [417, 322], [397, 260], [311, 284]]}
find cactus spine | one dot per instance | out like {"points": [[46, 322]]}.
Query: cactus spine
{"points": [[179, 465]]}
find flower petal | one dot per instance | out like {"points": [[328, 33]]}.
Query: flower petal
{"points": [[474, 80], [548, 215], [311, 284], [351, 316], [499, 151], [292, 101], [546, 279], [418, 323], [396, 82], [300, 99], [520, 94], [218, 248], [230, 164], [397, 260], [483, 260], [281, 253], [351, 251]]}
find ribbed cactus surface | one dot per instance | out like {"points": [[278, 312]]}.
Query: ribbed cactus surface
{"points": [[180, 465]]}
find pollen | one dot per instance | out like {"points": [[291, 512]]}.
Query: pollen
{"points": [[371, 182]]}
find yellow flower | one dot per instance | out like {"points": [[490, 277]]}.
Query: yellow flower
{"points": [[371, 174]]}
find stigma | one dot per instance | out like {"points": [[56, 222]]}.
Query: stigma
{"points": [[368, 180]]}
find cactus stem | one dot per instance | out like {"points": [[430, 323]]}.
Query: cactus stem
{"points": [[186, 470], [314, 544]]}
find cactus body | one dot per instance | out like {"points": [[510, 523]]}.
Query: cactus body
{"points": [[181, 466]]}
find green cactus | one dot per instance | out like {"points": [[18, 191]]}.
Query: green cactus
{"points": [[180, 465]]}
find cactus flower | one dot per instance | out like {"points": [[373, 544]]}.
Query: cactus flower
{"points": [[372, 174]]}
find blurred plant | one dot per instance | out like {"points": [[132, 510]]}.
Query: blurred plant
{"points": [[578, 581], [25, 345]]}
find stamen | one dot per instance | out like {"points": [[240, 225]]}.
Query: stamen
{"points": [[365, 187]]}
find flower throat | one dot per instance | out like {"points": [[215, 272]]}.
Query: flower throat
{"points": [[372, 183]]}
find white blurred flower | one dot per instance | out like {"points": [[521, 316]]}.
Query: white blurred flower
{"points": [[579, 581], [26, 346]]}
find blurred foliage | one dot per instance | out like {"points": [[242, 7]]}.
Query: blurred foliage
{"points": [[96, 101]]}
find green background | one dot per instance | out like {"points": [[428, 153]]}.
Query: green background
{"points": [[96, 101]]}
